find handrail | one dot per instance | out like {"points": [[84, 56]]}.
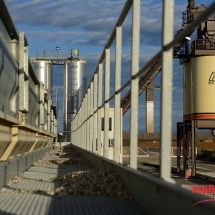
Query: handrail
{"points": [[86, 124]]}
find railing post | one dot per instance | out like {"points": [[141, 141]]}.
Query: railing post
{"points": [[107, 94], [76, 132], [91, 118], [78, 129], [74, 136], [88, 120], [117, 112], [166, 97], [95, 106], [99, 128], [85, 122], [134, 84], [82, 127], [83, 119]]}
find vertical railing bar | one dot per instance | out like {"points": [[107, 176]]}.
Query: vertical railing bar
{"points": [[75, 134], [99, 129], [79, 123], [117, 112], [134, 84], [81, 140], [78, 131], [85, 123], [88, 120], [166, 94], [107, 94], [91, 118], [95, 104], [82, 122], [82, 126]]}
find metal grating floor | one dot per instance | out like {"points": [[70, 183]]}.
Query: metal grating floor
{"points": [[40, 204], [26, 196]]}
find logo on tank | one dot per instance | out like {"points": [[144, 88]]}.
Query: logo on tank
{"points": [[211, 78]]}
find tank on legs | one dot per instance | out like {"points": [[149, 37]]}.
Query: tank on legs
{"points": [[75, 84]]}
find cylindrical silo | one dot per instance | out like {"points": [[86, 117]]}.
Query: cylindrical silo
{"points": [[187, 91], [43, 70], [75, 84], [203, 87]]}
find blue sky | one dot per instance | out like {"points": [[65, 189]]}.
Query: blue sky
{"points": [[86, 25]]}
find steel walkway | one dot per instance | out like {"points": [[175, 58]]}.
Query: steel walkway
{"points": [[43, 190]]}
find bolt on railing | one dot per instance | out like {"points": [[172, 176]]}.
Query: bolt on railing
{"points": [[86, 125]]}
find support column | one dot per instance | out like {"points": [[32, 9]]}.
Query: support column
{"points": [[193, 148], [36, 141], [179, 144], [15, 140], [150, 108]]}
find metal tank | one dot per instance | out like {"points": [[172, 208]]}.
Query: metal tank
{"points": [[187, 91], [43, 70], [203, 87], [75, 84]]}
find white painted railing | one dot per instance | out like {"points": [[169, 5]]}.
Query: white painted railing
{"points": [[86, 126]]}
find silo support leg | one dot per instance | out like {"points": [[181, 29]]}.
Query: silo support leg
{"points": [[179, 144], [193, 148], [187, 160]]}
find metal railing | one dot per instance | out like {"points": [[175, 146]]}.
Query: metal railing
{"points": [[203, 44], [86, 125], [49, 53]]}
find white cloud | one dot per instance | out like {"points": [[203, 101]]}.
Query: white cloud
{"points": [[86, 25]]}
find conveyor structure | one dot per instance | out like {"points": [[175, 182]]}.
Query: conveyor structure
{"points": [[178, 52]]}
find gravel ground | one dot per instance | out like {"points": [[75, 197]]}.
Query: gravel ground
{"points": [[64, 161], [92, 182]]}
